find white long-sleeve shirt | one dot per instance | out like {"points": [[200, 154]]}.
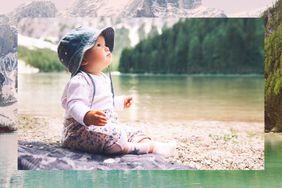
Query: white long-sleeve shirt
{"points": [[78, 93]]}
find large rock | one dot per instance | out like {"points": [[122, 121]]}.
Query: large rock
{"points": [[8, 74], [38, 156], [7, 124], [8, 59]]}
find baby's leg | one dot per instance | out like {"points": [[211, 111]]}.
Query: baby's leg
{"points": [[116, 142], [167, 149], [79, 137], [136, 148], [109, 139], [136, 136]]}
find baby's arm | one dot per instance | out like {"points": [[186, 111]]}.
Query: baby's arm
{"points": [[76, 103], [127, 102], [95, 117], [122, 102]]}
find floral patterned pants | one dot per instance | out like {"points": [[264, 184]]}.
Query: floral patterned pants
{"points": [[109, 139]]}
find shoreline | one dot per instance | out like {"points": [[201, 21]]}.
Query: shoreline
{"points": [[204, 145], [117, 73]]}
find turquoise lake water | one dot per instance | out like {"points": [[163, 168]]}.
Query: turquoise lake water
{"points": [[270, 177]]}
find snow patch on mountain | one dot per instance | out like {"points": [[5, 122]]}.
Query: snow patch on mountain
{"points": [[33, 43]]}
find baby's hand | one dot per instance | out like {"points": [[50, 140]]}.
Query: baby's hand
{"points": [[127, 102], [95, 117]]}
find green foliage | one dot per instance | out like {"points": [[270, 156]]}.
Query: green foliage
{"points": [[273, 68], [273, 17], [199, 46], [45, 60], [141, 32]]}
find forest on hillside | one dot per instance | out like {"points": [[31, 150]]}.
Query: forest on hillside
{"points": [[273, 68], [222, 45]]}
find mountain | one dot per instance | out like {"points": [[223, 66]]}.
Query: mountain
{"points": [[33, 33], [8, 64], [135, 29], [41, 8], [123, 8], [143, 8]]}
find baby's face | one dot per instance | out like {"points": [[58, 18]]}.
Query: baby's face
{"points": [[97, 58]]}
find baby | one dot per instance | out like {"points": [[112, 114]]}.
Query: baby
{"points": [[90, 120]]}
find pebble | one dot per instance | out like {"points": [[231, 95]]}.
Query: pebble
{"points": [[109, 161]]}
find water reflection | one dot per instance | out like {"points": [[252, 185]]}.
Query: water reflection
{"points": [[173, 98]]}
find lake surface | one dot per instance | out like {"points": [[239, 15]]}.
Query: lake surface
{"points": [[158, 98], [270, 177]]}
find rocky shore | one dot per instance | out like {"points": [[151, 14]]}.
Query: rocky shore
{"points": [[200, 144]]}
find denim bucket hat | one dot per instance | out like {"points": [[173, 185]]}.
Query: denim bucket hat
{"points": [[74, 44]]}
